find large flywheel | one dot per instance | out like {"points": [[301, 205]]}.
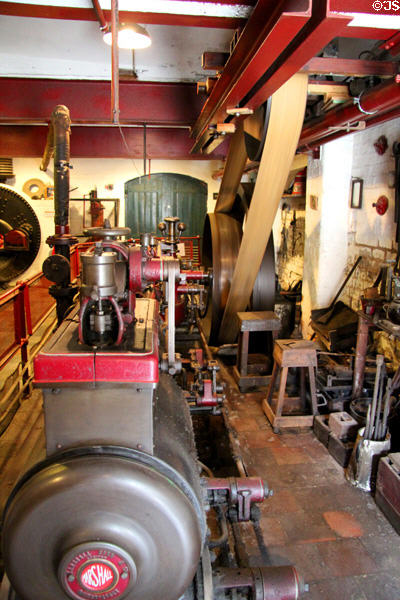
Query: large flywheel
{"points": [[19, 234], [221, 243]]}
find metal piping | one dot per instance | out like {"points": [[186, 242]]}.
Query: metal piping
{"points": [[114, 63], [144, 149], [100, 15], [57, 144]]}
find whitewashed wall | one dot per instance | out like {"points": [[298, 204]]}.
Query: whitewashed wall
{"points": [[61, 49], [335, 233]]}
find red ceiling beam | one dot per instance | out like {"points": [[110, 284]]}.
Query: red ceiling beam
{"points": [[265, 36], [103, 142], [347, 67], [32, 100], [272, 72], [317, 33], [371, 122], [368, 33], [364, 6], [87, 14], [227, 2], [382, 99]]}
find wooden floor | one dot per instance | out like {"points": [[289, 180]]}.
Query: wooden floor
{"points": [[22, 444], [333, 533]]}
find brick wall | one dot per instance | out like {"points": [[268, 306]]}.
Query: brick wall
{"points": [[370, 235]]}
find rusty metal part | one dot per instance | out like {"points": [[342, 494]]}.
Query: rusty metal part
{"points": [[240, 493], [266, 583], [287, 113], [16, 215], [361, 352]]}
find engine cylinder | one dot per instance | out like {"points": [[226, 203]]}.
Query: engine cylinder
{"points": [[98, 275]]}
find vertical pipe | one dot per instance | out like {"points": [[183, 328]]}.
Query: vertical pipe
{"points": [[144, 149], [361, 353], [100, 15], [61, 126], [114, 63]]}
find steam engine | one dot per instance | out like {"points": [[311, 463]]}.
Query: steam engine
{"points": [[118, 507]]}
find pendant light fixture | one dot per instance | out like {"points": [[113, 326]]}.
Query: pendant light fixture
{"points": [[130, 37]]}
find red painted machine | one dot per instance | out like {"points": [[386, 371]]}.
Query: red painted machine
{"points": [[117, 509]]}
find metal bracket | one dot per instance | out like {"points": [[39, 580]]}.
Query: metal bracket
{"points": [[359, 127]]}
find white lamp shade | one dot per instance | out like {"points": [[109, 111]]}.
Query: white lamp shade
{"points": [[130, 37]]}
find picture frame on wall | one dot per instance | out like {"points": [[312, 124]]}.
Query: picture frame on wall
{"points": [[356, 192]]}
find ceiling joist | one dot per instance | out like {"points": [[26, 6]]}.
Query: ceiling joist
{"points": [[223, 14]]}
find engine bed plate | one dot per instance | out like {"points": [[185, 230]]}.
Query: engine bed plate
{"points": [[65, 362]]}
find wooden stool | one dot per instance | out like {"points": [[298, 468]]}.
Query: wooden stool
{"points": [[291, 353], [265, 320]]}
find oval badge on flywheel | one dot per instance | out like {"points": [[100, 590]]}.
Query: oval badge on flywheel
{"points": [[97, 572]]}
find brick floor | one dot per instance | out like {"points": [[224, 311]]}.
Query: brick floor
{"points": [[343, 523], [334, 534]]}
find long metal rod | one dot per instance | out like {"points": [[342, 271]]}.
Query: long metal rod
{"points": [[204, 340], [114, 63], [370, 423], [100, 15], [353, 268], [144, 149]]}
